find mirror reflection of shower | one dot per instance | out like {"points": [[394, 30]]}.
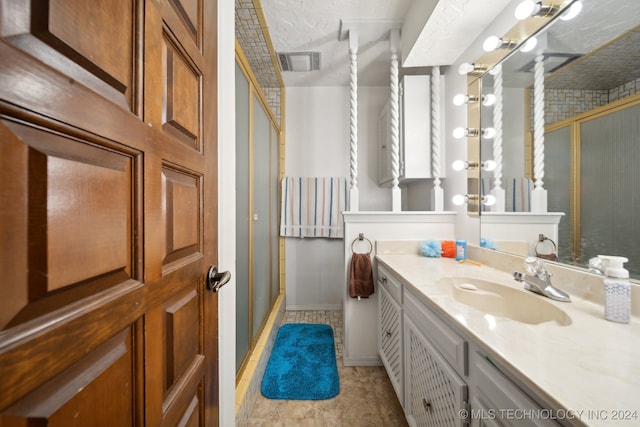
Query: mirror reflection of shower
{"points": [[590, 120]]}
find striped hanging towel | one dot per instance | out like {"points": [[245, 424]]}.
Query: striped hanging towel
{"points": [[312, 207], [518, 194]]}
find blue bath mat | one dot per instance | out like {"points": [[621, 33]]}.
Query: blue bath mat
{"points": [[302, 365]]}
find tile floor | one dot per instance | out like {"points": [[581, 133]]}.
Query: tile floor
{"points": [[366, 395]]}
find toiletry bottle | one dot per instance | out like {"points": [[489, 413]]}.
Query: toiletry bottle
{"points": [[617, 289], [461, 250]]}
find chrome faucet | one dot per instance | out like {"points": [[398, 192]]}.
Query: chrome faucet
{"points": [[539, 280]]}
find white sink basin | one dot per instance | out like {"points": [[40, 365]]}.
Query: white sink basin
{"points": [[502, 301]]}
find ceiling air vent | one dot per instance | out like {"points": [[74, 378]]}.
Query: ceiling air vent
{"points": [[552, 62], [299, 61]]}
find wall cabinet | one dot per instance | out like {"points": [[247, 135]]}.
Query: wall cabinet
{"points": [[414, 124], [444, 377]]}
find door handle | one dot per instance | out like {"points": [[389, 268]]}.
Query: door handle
{"points": [[216, 280]]}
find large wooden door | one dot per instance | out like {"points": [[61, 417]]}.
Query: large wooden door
{"points": [[108, 212]]}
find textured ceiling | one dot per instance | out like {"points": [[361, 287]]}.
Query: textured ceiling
{"points": [[445, 29], [435, 32], [314, 25]]}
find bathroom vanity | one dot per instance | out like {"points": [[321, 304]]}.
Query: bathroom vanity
{"points": [[464, 344]]}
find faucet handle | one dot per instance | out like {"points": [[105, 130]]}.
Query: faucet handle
{"points": [[533, 265]]}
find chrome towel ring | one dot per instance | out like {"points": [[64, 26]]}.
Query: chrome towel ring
{"points": [[361, 238]]}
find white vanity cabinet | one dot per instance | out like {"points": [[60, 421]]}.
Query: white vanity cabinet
{"points": [[441, 376], [390, 329]]}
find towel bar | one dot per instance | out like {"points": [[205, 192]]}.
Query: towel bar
{"points": [[361, 238]]}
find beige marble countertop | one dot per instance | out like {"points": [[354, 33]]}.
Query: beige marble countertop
{"points": [[591, 367]]}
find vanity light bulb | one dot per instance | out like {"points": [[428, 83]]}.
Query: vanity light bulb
{"points": [[460, 99], [489, 200], [488, 99], [488, 133], [489, 165], [529, 45], [459, 199], [491, 43], [459, 133], [525, 9], [465, 68], [459, 165], [572, 12]]}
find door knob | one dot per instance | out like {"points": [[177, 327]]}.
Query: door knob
{"points": [[216, 280]]}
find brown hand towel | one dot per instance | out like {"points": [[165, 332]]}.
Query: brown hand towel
{"points": [[360, 276]]}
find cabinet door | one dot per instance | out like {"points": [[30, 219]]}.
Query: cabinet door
{"points": [[503, 401], [415, 128], [390, 339], [434, 394], [385, 174]]}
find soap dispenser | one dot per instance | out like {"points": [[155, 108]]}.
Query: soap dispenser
{"points": [[617, 289]]}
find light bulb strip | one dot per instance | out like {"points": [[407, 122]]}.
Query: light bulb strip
{"points": [[546, 10]]}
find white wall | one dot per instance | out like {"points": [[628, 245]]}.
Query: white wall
{"points": [[226, 212], [317, 135], [318, 145]]}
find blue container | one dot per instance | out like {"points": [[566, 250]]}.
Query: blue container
{"points": [[461, 250]]}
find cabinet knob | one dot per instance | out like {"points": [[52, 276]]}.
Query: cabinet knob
{"points": [[388, 333], [427, 405], [384, 279]]}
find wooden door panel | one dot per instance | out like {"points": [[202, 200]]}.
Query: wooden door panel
{"points": [[182, 207], [75, 396], [97, 391], [79, 239], [54, 341], [55, 31], [182, 88], [184, 366], [189, 12], [182, 334]]}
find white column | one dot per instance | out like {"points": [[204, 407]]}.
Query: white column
{"points": [[396, 197], [538, 194], [437, 192], [354, 199], [497, 191]]}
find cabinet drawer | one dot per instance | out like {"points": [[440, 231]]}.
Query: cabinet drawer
{"points": [[452, 346], [390, 283], [505, 401]]}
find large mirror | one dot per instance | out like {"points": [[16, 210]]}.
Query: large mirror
{"points": [[592, 133]]}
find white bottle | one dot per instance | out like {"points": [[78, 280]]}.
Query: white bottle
{"points": [[617, 289]]}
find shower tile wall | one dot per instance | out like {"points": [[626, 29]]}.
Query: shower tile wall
{"points": [[560, 104], [250, 34]]}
